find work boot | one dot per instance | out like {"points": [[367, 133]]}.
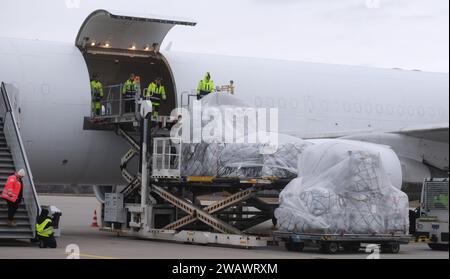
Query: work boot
{"points": [[13, 223]]}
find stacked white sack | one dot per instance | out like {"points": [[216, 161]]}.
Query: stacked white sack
{"points": [[342, 188]]}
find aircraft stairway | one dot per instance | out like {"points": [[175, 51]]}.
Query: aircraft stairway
{"points": [[13, 158]]}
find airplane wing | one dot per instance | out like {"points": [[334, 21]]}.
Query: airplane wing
{"points": [[418, 147], [434, 132]]}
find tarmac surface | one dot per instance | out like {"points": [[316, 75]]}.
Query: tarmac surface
{"points": [[93, 244]]}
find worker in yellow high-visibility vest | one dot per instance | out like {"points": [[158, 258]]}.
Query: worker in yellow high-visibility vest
{"points": [[97, 94], [129, 91], [156, 93], [44, 230], [205, 86]]}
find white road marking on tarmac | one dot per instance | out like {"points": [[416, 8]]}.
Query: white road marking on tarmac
{"points": [[94, 256]]}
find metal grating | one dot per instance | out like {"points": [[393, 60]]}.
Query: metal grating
{"points": [[436, 194]]}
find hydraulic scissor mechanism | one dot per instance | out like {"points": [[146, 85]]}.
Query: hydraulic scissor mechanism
{"points": [[196, 213], [232, 207], [134, 181]]}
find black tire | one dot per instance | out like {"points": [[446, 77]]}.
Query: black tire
{"points": [[390, 248], [438, 246], [294, 246], [330, 247], [351, 247]]}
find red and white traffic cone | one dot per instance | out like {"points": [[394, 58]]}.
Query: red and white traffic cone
{"points": [[94, 220]]}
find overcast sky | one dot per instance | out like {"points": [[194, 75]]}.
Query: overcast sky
{"points": [[409, 34]]}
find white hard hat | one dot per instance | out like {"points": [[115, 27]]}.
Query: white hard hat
{"points": [[21, 172]]}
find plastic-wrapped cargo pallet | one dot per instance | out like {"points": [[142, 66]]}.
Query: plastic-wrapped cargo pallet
{"points": [[217, 158], [342, 188], [243, 159]]}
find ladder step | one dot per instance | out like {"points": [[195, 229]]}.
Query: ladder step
{"points": [[4, 205], [15, 230], [16, 217], [19, 210], [16, 236], [4, 210], [19, 223], [22, 223]]}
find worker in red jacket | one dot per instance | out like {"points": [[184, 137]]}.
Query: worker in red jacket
{"points": [[12, 193]]}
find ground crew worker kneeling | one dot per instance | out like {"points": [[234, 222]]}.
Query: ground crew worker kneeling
{"points": [[44, 230], [205, 86], [156, 93], [128, 92], [97, 94]]}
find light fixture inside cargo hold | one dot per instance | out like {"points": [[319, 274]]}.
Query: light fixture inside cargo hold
{"points": [[133, 47], [119, 52], [92, 43], [107, 45], [146, 48]]}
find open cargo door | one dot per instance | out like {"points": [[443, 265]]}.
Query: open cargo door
{"points": [[103, 31]]}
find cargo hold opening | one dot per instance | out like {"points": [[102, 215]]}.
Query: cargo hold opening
{"points": [[115, 45], [116, 69]]}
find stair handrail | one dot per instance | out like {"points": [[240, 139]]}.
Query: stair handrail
{"points": [[33, 208]]}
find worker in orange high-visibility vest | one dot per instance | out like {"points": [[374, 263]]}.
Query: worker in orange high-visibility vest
{"points": [[12, 193]]}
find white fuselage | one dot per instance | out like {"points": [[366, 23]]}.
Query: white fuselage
{"points": [[314, 100]]}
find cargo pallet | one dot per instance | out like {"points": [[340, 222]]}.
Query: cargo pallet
{"points": [[331, 243]]}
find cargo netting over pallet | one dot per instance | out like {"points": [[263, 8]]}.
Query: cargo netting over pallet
{"points": [[342, 189]]}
